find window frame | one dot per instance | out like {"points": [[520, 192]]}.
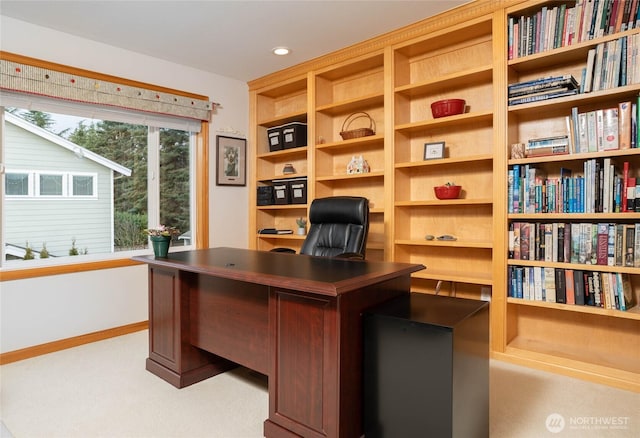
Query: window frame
{"points": [[199, 186]]}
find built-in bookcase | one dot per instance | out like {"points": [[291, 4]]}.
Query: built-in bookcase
{"points": [[453, 64], [583, 340], [463, 54]]}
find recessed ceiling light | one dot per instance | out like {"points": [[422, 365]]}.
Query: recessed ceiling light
{"points": [[281, 51]]}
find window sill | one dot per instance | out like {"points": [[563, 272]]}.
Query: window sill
{"points": [[8, 274]]}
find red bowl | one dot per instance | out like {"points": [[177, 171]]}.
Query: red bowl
{"points": [[447, 192], [447, 107]]}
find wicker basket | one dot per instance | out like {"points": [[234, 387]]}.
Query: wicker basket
{"points": [[347, 134]]}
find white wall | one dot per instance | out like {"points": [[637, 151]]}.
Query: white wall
{"points": [[41, 310]]}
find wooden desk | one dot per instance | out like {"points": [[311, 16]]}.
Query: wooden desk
{"points": [[294, 318]]}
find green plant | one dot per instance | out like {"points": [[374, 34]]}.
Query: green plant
{"points": [[28, 252], [73, 251], [302, 222], [44, 254]]}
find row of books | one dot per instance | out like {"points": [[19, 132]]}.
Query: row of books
{"points": [[612, 64], [605, 244], [542, 89], [604, 129], [603, 187], [608, 290], [566, 24]]}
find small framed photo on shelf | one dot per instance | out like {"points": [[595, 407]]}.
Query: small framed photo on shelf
{"points": [[231, 161], [434, 151]]}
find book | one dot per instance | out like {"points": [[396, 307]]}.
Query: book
{"points": [[629, 241], [624, 125], [610, 136], [569, 284], [541, 97], [578, 281], [274, 231], [602, 247], [560, 286]]}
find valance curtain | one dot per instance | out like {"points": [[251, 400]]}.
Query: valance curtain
{"points": [[46, 89]]}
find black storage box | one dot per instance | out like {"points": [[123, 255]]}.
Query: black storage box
{"points": [[294, 135], [298, 190], [281, 192], [426, 368], [265, 195], [274, 135]]}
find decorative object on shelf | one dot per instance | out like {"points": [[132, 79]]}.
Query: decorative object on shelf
{"points": [[288, 169], [302, 225], [348, 134], [358, 165], [447, 191], [517, 151], [231, 161], [161, 239], [447, 107], [434, 151], [429, 237]]}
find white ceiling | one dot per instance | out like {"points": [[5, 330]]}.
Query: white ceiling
{"points": [[229, 38]]}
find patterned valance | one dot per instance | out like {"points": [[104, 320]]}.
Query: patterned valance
{"points": [[24, 78]]}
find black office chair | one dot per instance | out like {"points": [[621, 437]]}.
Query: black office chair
{"points": [[339, 227]]}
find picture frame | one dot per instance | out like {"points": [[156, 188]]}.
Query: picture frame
{"points": [[434, 151], [231, 161]]}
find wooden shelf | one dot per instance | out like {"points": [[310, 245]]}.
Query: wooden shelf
{"points": [[438, 162], [441, 202], [633, 313], [476, 74], [445, 121], [452, 276], [353, 105], [449, 243]]}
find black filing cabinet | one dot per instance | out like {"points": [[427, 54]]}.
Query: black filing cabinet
{"points": [[426, 368]]}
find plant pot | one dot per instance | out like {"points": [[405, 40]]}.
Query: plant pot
{"points": [[160, 245], [302, 231]]}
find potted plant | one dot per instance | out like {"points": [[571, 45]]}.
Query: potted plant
{"points": [[160, 237], [302, 225]]}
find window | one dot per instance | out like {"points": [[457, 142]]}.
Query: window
{"points": [[49, 185], [17, 184], [87, 186], [82, 185]]}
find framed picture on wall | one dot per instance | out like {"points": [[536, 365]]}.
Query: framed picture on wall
{"points": [[231, 161]]}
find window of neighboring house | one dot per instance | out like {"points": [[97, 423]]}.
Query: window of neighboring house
{"points": [[49, 185], [17, 184], [107, 182], [82, 185]]}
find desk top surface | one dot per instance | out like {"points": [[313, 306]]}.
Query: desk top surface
{"points": [[326, 276]]}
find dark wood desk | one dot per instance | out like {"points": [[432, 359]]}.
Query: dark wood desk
{"points": [[294, 318]]}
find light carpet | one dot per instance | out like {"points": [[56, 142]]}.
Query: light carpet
{"points": [[103, 390]]}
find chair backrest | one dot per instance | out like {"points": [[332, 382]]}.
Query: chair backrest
{"points": [[338, 225]]}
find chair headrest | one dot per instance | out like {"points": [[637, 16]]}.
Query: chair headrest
{"points": [[340, 210]]}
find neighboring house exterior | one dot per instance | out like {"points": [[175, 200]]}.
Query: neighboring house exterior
{"points": [[51, 180]]}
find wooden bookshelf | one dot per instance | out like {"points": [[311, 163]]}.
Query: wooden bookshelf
{"points": [[462, 53]]}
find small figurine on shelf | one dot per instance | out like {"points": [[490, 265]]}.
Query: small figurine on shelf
{"points": [[358, 165]]}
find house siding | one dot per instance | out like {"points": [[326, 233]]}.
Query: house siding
{"points": [[87, 220]]}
